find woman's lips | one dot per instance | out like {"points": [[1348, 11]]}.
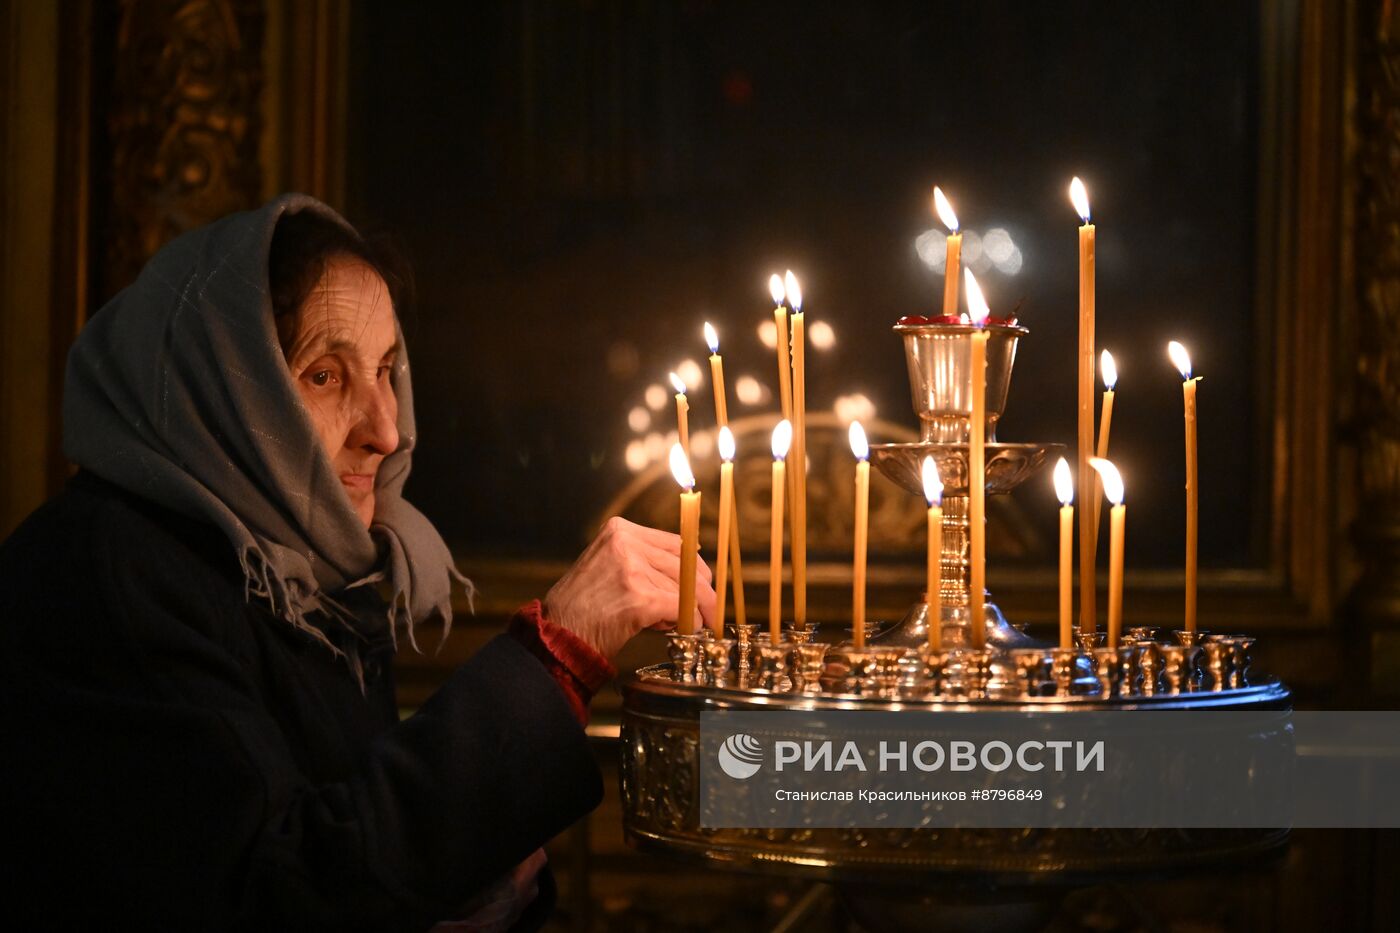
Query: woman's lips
{"points": [[360, 483]]}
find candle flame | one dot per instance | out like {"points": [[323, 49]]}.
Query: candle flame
{"points": [[1064, 482], [782, 439], [711, 337], [775, 288], [1180, 359], [680, 468], [859, 445], [677, 383], [944, 210], [1112, 479], [933, 486], [1079, 197], [1108, 369], [726, 444], [977, 308], [794, 292]]}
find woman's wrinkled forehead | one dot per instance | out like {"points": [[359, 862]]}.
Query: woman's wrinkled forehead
{"points": [[348, 310]]}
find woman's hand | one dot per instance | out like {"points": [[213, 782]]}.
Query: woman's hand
{"points": [[626, 581], [497, 909]]}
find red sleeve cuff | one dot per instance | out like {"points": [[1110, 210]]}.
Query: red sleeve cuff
{"points": [[579, 670]]}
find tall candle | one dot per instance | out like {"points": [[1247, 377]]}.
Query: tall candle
{"points": [[1108, 371], [861, 448], [977, 465], [726, 510], [933, 580], [1117, 519], [1087, 595], [954, 262], [780, 320], [1182, 359], [782, 440], [690, 540], [1064, 491], [736, 562], [682, 413], [799, 453]]}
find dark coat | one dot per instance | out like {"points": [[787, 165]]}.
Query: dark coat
{"points": [[176, 758]]}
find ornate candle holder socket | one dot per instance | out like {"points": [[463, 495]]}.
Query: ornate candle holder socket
{"points": [[810, 664], [744, 640], [684, 652], [1188, 639], [977, 671], [1129, 674], [860, 671], [1108, 669], [887, 671], [1179, 662], [716, 652], [1063, 662], [1217, 655], [773, 664], [1142, 633], [935, 662], [1150, 664], [1032, 669], [799, 636], [1239, 658], [1088, 641]]}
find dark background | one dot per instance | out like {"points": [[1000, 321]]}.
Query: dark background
{"points": [[579, 186]]}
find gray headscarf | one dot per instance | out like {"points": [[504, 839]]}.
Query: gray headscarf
{"points": [[177, 391]]}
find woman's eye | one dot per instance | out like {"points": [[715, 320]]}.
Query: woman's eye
{"points": [[383, 371], [321, 378]]}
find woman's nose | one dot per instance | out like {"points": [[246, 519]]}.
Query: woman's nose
{"points": [[377, 427]]}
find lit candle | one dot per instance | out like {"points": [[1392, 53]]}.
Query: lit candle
{"points": [[1087, 599], [690, 539], [782, 439], [954, 263], [1064, 489], [1113, 491], [726, 522], [933, 582], [977, 464], [799, 453], [861, 448], [722, 419], [682, 413], [780, 319], [1108, 371], [1182, 359]]}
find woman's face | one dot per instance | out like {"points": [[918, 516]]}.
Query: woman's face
{"points": [[340, 347]]}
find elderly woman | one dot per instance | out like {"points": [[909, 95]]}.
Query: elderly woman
{"points": [[200, 721]]}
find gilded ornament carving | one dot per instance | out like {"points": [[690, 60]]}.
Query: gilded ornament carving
{"points": [[1377, 239], [183, 123]]}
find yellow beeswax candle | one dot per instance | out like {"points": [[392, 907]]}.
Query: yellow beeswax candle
{"points": [[782, 441], [1117, 521], [682, 413], [977, 466], [1064, 490], [736, 563], [690, 540], [799, 453], [933, 579], [861, 448], [726, 514], [1182, 359], [953, 267], [1079, 197], [1108, 371]]}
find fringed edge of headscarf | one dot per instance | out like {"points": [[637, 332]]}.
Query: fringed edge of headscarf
{"points": [[262, 582]]}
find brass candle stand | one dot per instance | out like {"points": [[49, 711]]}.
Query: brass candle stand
{"points": [[896, 670]]}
